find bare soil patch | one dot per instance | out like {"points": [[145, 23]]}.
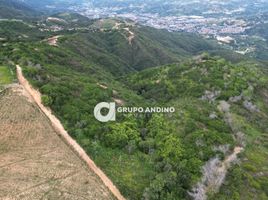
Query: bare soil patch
{"points": [[35, 163]]}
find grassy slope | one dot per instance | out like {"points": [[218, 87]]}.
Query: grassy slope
{"points": [[18, 31], [109, 46], [249, 180], [10, 9], [6, 75]]}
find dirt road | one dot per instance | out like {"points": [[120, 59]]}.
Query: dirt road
{"points": [[53, 41], [131, 35], [36, 96]]}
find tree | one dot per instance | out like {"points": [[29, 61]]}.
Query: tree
{"points": [[46, 100], [162, 187], [170, 149], [123, 134], [167, 143]]}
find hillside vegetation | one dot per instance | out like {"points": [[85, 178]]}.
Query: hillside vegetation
{"points": [[198, 89], [159, 152], [220, 105], [11, 9], [6, 75]]}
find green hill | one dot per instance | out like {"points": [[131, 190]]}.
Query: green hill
{"points": [[116, 46], [198, 89], [133, 47], [10, 9], [219, 105]]}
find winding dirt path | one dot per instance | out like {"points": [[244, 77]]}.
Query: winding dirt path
{"points": [[53, 41], [131, 35], [230, 159], [36, 96], [214, 173]]}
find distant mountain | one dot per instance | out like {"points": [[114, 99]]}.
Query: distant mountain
{"points": [[52, 5], [29, 8], [16, 9], [122, 46]]}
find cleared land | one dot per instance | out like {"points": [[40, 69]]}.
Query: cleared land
{"points": [[34, 162]]}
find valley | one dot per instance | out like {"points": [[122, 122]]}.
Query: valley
{"points": [[233, 19]]}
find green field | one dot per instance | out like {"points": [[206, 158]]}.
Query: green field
{"points": [[6, 75]]}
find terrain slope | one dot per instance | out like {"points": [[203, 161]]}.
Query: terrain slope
{"points": [[35, 163]]}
